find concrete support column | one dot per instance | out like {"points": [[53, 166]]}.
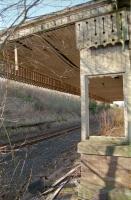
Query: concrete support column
{"points": [[129, 28], [125, 106], [128, 81], [84, 107]]}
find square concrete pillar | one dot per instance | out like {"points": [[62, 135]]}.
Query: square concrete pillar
{"points": [[84, 107], [128, 82]]}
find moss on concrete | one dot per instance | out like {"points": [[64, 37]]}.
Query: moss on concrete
{"points": [[115, 194], [120, 194], [109, 146]]}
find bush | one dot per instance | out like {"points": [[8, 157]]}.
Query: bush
{"points": [[111, 119], [96, 107]]}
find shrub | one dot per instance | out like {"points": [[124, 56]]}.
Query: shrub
{"points": [[110, 119]]}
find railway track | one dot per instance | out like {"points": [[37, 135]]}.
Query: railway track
{"points": [[15, 145]]}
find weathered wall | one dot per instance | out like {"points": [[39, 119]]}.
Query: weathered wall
{"points": [[106, 170], [110, 59]]}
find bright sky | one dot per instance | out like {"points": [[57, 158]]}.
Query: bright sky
{"points": [[45, 7]]}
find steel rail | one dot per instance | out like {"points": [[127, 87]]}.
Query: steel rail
{"points": [[15, 145]]}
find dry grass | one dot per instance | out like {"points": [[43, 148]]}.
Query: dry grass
{"points": [[29, 103], [112, 122]]}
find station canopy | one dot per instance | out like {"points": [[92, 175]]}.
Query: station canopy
{"points": [[47, 55]]}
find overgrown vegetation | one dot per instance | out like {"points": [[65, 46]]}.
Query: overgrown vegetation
{"points": [[96, 107], [31, 110], [39, 100], [112, 122], [108, 120]]}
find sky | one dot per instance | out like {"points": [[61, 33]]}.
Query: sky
{"points": [[45, 7]]}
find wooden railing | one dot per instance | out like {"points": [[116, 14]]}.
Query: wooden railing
{"points": [[35, 78]]}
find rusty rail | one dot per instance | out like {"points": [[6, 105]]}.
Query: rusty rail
{"points": [[15, 145]]}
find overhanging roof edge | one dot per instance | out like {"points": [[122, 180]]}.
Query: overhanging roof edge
{"points": [[62, 18], [67, 10]]}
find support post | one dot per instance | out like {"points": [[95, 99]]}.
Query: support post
{"points": [[125, 106], [128, 80], [84, 107], [128, 83], [16, 58]]}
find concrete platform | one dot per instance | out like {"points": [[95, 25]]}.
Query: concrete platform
{"points": [[105, 168]]}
